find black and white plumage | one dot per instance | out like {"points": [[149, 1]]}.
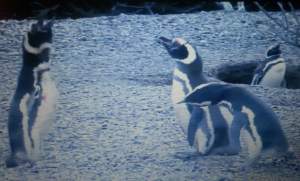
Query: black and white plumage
{"points": [[248, 112], [271, 72], [206, 128], [34, 101]]}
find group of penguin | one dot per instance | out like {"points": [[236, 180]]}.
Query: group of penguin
{"points": [[211, 113]]}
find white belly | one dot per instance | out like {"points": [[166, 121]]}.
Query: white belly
{"points": [[275, 76], [203, 142], [45, 111]]}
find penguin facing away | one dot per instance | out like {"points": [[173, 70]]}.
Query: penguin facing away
{"points": [[206, 127], [253, 114], [35, 97], [271, 72]]}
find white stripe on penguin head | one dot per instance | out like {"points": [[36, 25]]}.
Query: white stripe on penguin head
{"points": [[34, 50], [192, 55]]}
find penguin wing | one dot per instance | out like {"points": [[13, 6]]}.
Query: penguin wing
{"points": [[258, 74], [216, 93], [196, 117], [256, 78]]}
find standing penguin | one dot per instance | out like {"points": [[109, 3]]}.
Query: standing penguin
{"points": [[253, 114], [271, 72], [34, 101], [207, 127]]}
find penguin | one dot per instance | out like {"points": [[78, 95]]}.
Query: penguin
{"points": [[206, 127], [34, 101], [249, 112], [271, 72]]}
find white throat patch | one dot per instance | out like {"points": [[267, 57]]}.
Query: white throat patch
{"points": [[34, 50]]}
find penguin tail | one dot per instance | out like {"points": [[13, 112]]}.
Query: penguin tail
{"points": [[282, 147]]}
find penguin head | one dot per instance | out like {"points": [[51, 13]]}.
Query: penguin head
{"points": [[176, 47], [37, 43], [273, 50], [184, 53], [40, 33]]}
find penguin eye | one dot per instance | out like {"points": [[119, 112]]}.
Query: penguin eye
{"points": [[179, 52], [175, 47]]}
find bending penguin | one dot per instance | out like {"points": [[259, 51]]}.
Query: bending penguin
{"points": [[34, 101], [249, 112], [271, 72], [206, 127]]}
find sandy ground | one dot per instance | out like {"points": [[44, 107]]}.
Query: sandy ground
{"points": [[115, 119]]}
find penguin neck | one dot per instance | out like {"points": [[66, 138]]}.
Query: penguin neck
{"points": [[184, 83], [35, 55], [272, 57], [193, 73]]}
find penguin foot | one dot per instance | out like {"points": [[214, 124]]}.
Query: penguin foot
{"points": [[283, 158], [226, 151], [186, 156], [14, 161], [11, 162]]}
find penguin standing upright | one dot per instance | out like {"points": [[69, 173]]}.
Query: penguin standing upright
{"points": [[271, 72], [207, 127], [34, 101], [252, 114]]}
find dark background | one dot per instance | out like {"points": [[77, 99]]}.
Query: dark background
{"points": [[21, 9]]}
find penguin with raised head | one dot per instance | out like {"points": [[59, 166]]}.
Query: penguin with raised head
{"points": [[207, 127], [34, 101], [271, 72], [249, 112]]}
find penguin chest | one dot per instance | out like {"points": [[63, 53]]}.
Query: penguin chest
{"points": [[274, 76], [182, 112]]}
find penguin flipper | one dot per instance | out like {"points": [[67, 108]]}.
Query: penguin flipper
{"points": [[196, 117]]}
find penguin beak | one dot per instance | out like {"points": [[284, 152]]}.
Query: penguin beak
{"points": [[50, 23], [167, 43], [274, 50]]}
